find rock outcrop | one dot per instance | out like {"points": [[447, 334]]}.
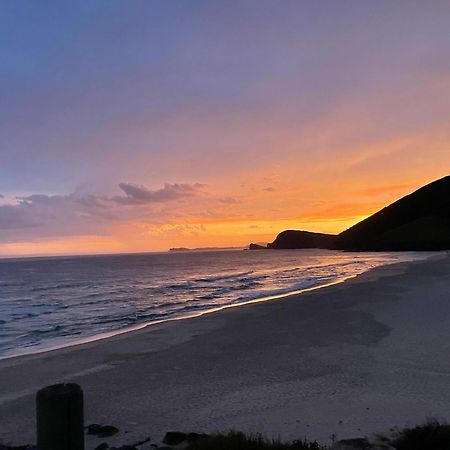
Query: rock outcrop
{"points": [[302, 239], [257, 247]]}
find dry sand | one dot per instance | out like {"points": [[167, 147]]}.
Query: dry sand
{"points": [[349, 360]]}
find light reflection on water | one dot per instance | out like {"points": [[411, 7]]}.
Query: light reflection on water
{"points": [[51, 301]]}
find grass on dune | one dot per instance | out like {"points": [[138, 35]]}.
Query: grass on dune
{"points": [[240, 441], [432, 435]]}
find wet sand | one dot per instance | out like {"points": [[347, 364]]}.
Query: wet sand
{"points": [[349, 360]]}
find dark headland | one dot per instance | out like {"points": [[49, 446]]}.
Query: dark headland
{"points": [[417, 222]]}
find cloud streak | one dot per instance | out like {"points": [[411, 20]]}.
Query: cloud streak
{"points": [[77, 214], [137, 194]]}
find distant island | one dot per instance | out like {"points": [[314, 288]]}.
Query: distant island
{"points": [[417, 222], [203, 249]]}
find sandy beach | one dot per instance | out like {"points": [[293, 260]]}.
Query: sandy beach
{"points": [[349, 360]]}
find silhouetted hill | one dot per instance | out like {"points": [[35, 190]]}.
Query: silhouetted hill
{"points": [[419, 221], [302, 239]]}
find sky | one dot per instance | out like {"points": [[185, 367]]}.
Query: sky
{"points": [[130, 126]]}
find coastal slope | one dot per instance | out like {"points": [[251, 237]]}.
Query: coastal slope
{"points": [[418, 221]]}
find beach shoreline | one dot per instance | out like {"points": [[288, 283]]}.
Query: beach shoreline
{"points": [[262, 367], [70, 341]]}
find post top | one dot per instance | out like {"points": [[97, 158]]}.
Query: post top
{"points": [[60, 390]]}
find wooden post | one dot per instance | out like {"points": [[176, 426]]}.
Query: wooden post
{"points": [[59, 417]]}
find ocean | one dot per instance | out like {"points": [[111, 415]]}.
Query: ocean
{"points": [[53, 302]]}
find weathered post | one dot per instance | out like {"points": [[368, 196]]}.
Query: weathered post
{"points": [[59, 417]]}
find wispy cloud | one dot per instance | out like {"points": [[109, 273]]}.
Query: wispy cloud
{"points": [[80, 213], [380, 190], [138, 194], [229, 200]]}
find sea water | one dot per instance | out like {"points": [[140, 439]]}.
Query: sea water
{"points": [[58, 301]]}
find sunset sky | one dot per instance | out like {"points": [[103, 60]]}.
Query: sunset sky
{"points": [[142, 125]]}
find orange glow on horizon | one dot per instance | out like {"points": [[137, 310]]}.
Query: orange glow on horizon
{"points": [[235, 233], [254, 208], [234, 224]]}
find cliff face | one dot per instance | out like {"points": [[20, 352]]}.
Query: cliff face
{"points": [[302, 239], [419, 221]]}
